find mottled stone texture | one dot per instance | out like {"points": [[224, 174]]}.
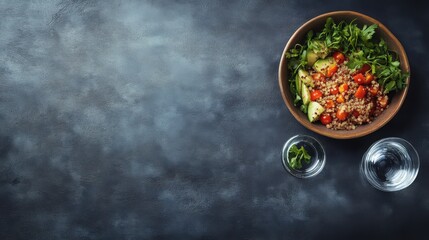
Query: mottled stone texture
{"points": [[164, 120]]}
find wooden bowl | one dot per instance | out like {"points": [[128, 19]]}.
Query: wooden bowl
{"points": [[316, 24]]}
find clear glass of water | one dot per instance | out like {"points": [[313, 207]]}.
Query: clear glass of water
{"points": [[390, 164], [314, 149]]}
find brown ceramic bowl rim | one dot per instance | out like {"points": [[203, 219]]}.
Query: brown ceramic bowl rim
{"points": [[343, 134]]}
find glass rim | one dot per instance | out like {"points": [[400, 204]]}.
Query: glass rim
{"points": [[414, 167], [318, 147]]}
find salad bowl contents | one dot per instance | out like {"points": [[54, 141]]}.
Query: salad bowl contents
{"points": [[343, 75]]}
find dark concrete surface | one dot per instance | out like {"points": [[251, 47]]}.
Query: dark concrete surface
{"points": [[164, 120]]}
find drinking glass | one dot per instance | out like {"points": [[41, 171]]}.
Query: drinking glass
{"points": [[390, 164], [314, 149]]}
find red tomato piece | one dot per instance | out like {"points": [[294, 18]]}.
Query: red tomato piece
{"points": [[331, 70], [368, 78], [342, 114], [365, 68], [318, 76], [341, 99], [359, 78], [355, 113], [315, 94], [343, 87], [360, 92], [338, 57], [334, 90], [330, 104], [373, 91], [325, 119]]}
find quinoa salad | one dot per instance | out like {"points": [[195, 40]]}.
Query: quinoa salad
{"points": [[347, 103], [342, 77]]}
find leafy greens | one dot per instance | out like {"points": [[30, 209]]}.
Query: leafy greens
{"points": [[297, 155], [358, 45]]}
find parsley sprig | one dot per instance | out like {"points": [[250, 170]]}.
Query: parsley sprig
{"points": [[356, 43], [297, 155]]}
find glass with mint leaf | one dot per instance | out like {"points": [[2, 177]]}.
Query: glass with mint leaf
{"points": [[303, 156]]}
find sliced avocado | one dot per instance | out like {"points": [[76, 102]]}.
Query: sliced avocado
{"points": [[311, 58], [322, 65], [298, 84], [305, 77], [305, 94], [314, 111], [319, 48]]}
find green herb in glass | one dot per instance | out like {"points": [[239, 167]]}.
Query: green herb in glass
{"points": [[297, 155]]}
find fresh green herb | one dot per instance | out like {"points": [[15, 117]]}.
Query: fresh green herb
{"points": [[360, 47], [297, 155], [297, 58], [368, 32]]}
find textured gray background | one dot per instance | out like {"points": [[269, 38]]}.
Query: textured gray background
{"points": [[164, 120]]}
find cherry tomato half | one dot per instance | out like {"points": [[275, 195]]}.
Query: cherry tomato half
{"points": [[334, 90], [338, 57], [373, 91], [368, 78], [331, 70], [329, 104], [359, 78], [325, 119], [318, 76], [360, 92], [315, 94], [342, 114]]}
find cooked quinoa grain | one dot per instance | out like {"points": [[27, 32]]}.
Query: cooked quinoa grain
{"points": [[358, 110]]}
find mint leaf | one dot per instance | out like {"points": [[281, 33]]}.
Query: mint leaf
{"points": [[367, 32], [296, 156]]}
